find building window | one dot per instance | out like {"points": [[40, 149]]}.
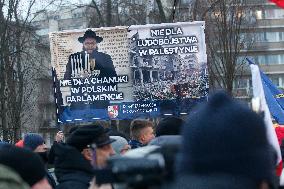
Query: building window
{"points": [[269, 36], [272, 36], [241, 83], [274, 13], [56, 17], [260, 59], [259, 14], [281, 36], [270, 59], [275, 80]]}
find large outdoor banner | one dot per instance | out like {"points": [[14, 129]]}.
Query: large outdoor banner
{"points": [[129, 72]]}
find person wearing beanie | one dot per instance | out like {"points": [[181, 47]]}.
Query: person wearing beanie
{"points": [[120, 146], [25, 163], [87, 147], [36, 143], [225, 145], [168, 132], [169, 126]]}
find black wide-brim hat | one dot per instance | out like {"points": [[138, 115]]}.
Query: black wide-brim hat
{"points": [[90, 34]]}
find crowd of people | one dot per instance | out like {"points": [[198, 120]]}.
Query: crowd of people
{"points": [[189, 87], [222, 145]]}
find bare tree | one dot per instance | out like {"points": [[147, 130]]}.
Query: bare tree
{"points": [[106, 13], [19, 67], [228, 34]]}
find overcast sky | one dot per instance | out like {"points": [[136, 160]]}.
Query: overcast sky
{"points": [[46, 4]]}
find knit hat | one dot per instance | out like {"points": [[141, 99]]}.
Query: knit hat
{"points": [[20, 143], [119, 144], [169, 126], [90, 134], [226, 137], [32, 141], [23, 161]]}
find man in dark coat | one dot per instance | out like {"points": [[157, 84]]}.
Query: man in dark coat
{"points": [[87, 148], [90, 63], [98, 61], [36, 143]]}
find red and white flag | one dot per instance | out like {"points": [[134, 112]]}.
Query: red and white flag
{"points": [[258, 93]]}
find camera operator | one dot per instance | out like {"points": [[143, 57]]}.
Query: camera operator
{"points": [[87, 148]]}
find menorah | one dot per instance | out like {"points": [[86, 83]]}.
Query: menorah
{"points": [[80, 65]]}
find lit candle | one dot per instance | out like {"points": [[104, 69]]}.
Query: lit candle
{"points": [[75, 66], [72, 66], [80, 63], [77, 60], [88, 60]]}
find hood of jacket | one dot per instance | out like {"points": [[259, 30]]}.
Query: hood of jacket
{"points": [[70, 165]]}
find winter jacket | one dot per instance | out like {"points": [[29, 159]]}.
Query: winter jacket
{"points": [[72, 170], [135, 144], [166, 140], [10, 179], [212, 181]]}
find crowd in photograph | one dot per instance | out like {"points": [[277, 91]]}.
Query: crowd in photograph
{"points": [[222, 145]]}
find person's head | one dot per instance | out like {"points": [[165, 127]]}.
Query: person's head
{"points": [[35, 142], [89, 44], [169, 126], [90, 41], [93, 142], [226, 137], [27, 164], [142, 131], [120, 146]]}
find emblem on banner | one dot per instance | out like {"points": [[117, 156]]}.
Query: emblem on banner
{"points": [[113, 111]]}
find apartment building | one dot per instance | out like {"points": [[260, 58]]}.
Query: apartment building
{"points": [[268, 47]]}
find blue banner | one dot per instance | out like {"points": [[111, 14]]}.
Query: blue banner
{"points": [[129, 72]]}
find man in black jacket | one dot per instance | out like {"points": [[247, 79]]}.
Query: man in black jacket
{"points": [[90, 63], [90, 59], [87, 148]]}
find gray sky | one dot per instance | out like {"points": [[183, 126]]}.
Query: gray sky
{"points": [[47, 4]]}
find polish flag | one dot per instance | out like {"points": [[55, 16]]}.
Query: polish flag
{"points": [[258, 85]]}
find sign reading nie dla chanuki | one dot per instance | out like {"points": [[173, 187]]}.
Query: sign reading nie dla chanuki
{"points": [[129, 72]]}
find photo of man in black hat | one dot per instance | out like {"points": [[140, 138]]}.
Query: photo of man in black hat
{"points": [[89, 62]]}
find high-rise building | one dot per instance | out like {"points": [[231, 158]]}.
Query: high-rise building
{"points": [[268, 47]]}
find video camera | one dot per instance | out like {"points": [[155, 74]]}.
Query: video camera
{"points": [[146, 167]]}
